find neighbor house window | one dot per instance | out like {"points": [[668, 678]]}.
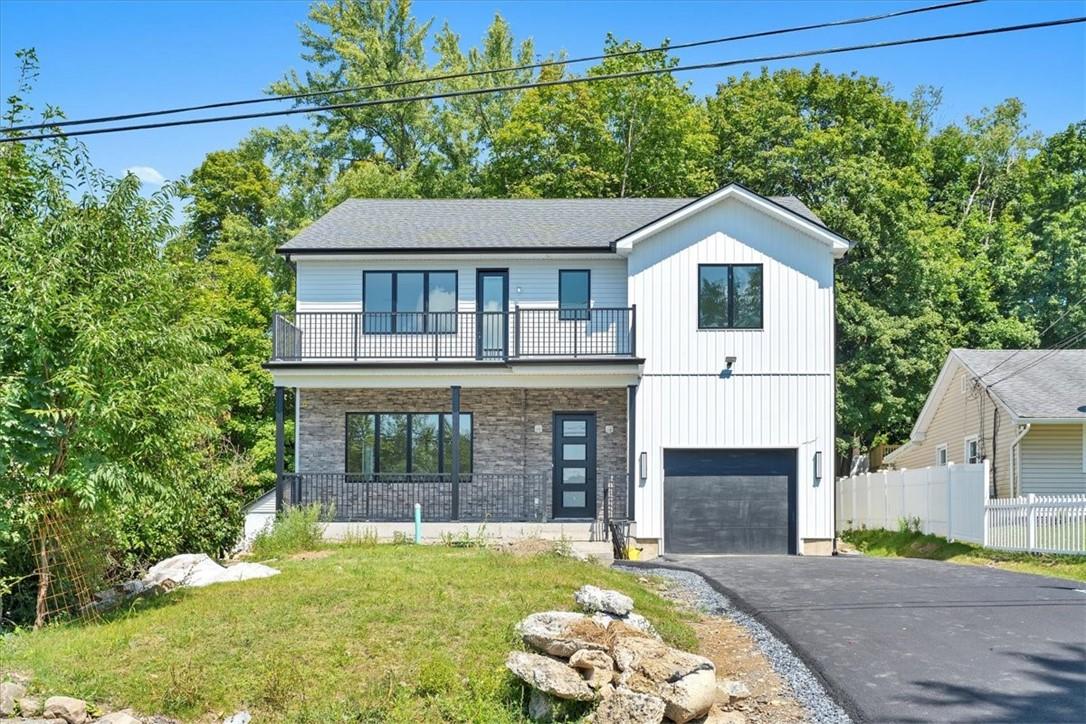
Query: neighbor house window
{"points": [[940, 455], [409, 302], [411, 442], [729, 296], [972, 450], [574, 293]]}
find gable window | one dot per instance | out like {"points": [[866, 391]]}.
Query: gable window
{"points": [[940, 455], [972, 450], [729, 296], [403, 302], [399, 443], [574, 293]]}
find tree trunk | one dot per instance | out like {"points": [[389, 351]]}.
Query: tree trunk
{"points": [[43, 582]]}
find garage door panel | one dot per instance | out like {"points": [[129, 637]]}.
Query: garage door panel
{"points": [[729, 501]]}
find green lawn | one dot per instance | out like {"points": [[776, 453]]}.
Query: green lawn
{"points": [[909, 544], [379, 633]]}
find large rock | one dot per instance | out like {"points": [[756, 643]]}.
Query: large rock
{"points": [[9, 692], [28, 706], [197, 570], [634, 620], [625, 706], [562, 633], [719, 716], [73, 711], [549, 676], [118, 717], [592, 598], [597, 667], [686, 682], [541, 706]]}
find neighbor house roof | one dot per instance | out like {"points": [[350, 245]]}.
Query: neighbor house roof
{"points": [[369, 225], [1033, 383]]}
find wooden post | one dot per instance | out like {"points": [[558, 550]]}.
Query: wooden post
{"points": [[280, 448], [454, 452]]}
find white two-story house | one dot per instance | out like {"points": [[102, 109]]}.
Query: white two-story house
{"points": [[669, 362]]}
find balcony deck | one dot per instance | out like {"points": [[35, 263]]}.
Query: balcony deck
{"points": [[521, 334]]}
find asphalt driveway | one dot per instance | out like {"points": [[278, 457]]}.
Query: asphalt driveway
{"points": [[901, 640]]}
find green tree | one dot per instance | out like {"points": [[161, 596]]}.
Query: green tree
{"points": [[109, 394], [1054, 216], [228, 187]]}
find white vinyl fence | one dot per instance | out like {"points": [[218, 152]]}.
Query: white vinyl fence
{"points": [[952, 501]]}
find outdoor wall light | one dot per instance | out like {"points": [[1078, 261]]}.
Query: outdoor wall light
{"points": [[538, 428], [818, 465], [644, 466], [729, 361]]}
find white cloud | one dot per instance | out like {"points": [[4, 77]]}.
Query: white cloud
{"points": [[147, 175]]}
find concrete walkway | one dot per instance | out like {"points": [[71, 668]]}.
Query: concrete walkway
{"points": [[903, 640]]}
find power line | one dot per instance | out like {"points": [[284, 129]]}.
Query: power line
{"points": [[1042, 334], [509, 69], [553, 83], [1059, 346]]}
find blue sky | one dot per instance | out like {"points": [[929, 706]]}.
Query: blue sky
{"points": [[104, 57]]}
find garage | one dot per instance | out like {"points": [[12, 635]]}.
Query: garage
{"points": [[727, 501]]}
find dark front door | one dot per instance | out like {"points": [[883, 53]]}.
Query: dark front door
{"points": [[492, 313], [575, 465], [729, 501]]}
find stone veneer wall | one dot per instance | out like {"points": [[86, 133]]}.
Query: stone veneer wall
{"points": [[505, 439]]}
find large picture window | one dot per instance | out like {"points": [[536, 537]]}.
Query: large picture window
{"points": [[574, 293], [413, 442], [405, 302], [730, 296]]}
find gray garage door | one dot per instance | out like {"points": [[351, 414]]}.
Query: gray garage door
{"points": [[730, 501]]}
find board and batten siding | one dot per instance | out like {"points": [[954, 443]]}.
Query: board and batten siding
{"points": [[1052, 460], [781, 390], [960, 414], [336, 285]]}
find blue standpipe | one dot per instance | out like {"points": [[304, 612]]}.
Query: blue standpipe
{"points": [[418, 523]]}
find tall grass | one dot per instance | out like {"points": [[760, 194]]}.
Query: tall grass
{"points": [[297, 529]]}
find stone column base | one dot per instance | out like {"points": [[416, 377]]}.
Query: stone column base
{"points": [[816, 547]]}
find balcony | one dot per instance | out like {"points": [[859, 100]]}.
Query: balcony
{"points": [[520, 334]]}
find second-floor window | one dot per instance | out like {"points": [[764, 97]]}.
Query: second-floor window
{"points": [[409, 302], [574, 293], [729, 296]]}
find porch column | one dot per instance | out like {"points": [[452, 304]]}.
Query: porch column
{"points": [[280, 450], [454, 452], [631, 446]]}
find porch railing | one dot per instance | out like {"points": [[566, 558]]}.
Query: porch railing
{"points": [[482, 497], [486, 336]]}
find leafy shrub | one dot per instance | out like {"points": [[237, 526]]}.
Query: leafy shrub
{"points": [[298, 529]]}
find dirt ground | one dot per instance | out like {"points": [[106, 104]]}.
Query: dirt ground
{"points": [[737, 657]]}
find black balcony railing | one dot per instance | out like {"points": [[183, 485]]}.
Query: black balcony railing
{"points": [[483, 497], [522, 333]]}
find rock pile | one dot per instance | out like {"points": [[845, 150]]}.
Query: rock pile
{"points": [[613, 658]]}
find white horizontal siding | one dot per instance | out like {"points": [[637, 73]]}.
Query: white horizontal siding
{"points": [[1052, 460], [781, 392], [336, 285]]}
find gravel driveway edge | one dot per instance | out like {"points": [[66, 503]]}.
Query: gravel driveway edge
{"points": [[825, 704]]}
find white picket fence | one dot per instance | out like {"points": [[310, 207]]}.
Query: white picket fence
{"points": [[1037, 523], [952, 501]]}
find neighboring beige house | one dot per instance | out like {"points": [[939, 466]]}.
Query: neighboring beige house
{"points": [[1024, 410]]}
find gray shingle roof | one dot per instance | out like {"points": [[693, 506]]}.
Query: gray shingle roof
{"points": [[419, 224], [1036, 383]]}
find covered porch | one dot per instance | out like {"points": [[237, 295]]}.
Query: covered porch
{"points": [[474, 454]]}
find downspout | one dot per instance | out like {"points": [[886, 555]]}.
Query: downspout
{"points": [[1014, 470]]}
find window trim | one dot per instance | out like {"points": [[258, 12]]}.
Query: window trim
{"points": [[731, 296], [575, 314], [408, 448], [425, 300], [942, 448], [965, 449]]}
